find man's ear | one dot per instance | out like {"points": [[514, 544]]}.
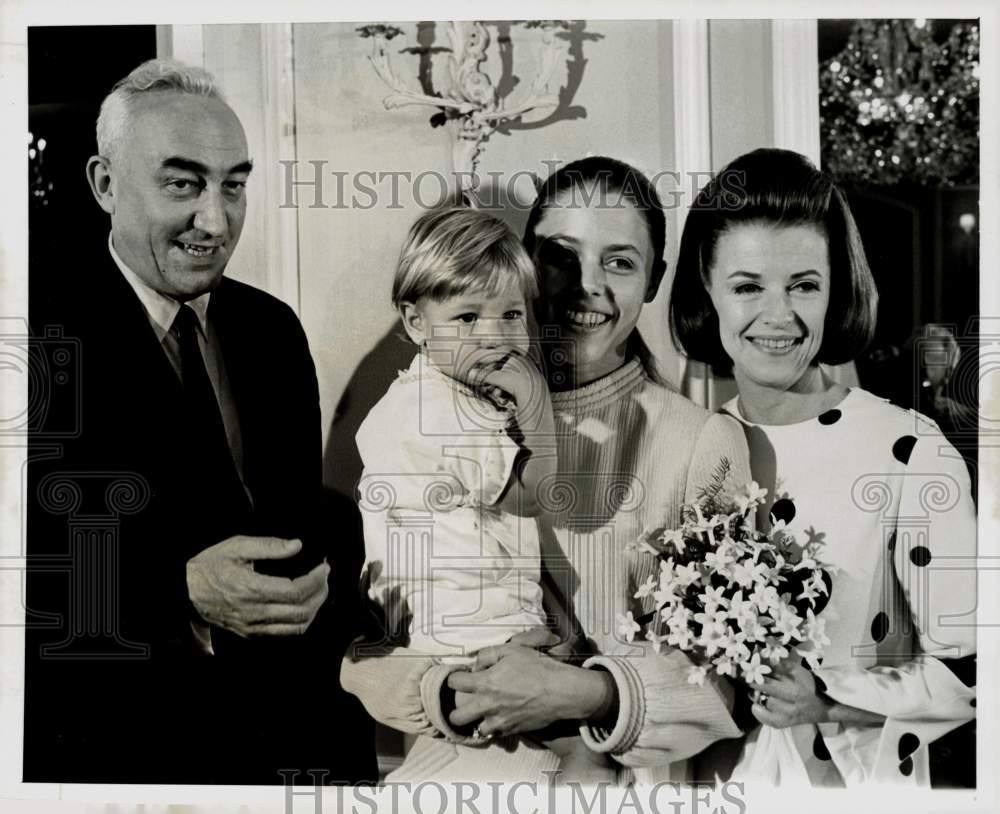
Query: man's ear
{"points": [[99, 178], [413, 322]]}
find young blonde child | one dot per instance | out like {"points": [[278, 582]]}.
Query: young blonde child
{"points": [[454, 457]]}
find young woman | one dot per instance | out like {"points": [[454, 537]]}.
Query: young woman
{"points": [[630, 452], [772, 282]]}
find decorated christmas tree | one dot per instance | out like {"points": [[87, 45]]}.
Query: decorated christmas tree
{"points": [[896, 104]]}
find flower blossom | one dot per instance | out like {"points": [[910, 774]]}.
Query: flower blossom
{"points": [[646, 589], [753, 630], [814, 630], [720, 559], [725, 667], [714, 598], [777, 526], [627, 626], [715, 619], [754, 670], [787, 625], [736, 649], [675, 536], [681, 637], [809, 592], [714, 637], [656, 640], [685, 575], [741, 610], [773, 652], [701, 525], [746, 573], [754, 495], [765, 597], [676, 617]]}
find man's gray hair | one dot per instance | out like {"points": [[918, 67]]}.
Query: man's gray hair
{"points": [[152, 75]]}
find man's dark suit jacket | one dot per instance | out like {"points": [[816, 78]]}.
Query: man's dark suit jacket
{"points": [[116, 690]]}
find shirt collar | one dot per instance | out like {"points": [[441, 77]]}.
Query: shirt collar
{"points": [[161, 309]]}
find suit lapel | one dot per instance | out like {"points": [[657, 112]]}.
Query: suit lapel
{"points": [[235, 335], [134, 338]]}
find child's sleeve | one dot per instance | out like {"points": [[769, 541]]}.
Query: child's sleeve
{"points": [[424, 459], [466, 438]]}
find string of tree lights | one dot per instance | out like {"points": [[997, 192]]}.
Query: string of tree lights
{"points": [[898, 103], [40, 188]]}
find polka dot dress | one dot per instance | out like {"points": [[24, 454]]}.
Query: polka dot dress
{"points": [[889, 498]]}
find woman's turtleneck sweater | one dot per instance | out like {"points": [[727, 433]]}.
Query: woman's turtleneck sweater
{"points": [[631, 452]]}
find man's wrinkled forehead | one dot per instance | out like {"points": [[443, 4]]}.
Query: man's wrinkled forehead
{"points": [[188, 131], [183, 164]]}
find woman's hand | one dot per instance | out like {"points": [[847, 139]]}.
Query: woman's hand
{"points": [[791, 698], [515, 688], [537, 638]]}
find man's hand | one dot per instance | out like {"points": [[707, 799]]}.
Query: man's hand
{"points": [[227, 592]]}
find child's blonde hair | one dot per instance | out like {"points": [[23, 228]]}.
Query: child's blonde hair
{"points": [[453, 251]]}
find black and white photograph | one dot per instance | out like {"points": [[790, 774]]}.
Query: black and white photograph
{"points": [[431, 413]]}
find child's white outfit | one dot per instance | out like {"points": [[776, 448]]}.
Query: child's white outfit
{"points": [[453, 571]]}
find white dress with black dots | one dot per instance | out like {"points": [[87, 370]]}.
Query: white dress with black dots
{"points": [[891, 500]]}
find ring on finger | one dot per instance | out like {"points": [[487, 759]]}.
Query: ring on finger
{"points": [[478, 735], [762, 700]]}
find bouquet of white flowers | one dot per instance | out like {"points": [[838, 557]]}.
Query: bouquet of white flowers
{"points": [[736, 599]]}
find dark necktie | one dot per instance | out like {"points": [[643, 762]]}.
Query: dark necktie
{"points": [[211, 466]]}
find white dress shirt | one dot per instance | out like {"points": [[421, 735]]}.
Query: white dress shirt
{"points": [[161, 311]]}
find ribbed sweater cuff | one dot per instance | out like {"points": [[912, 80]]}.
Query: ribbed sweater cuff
{"points": [[631, 708], [430, 695]]}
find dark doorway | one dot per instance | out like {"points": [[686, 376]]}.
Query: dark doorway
{"points": [[70, 70]]}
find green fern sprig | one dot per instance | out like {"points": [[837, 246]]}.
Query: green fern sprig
{"points": [[709, 495]]}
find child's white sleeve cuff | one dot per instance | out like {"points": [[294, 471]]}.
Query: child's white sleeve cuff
{"points": [[431, 684]]}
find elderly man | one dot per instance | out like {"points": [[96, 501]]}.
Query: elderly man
{"points": [[194, 639]]}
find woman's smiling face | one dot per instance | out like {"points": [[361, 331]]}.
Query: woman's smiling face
{"points": [[770, 286], [595, 258]]}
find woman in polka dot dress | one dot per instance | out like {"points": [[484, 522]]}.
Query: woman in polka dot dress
{"points": [[771, 282]]}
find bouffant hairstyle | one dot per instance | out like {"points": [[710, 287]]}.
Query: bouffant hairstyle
{"points": [[781, 188]]}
